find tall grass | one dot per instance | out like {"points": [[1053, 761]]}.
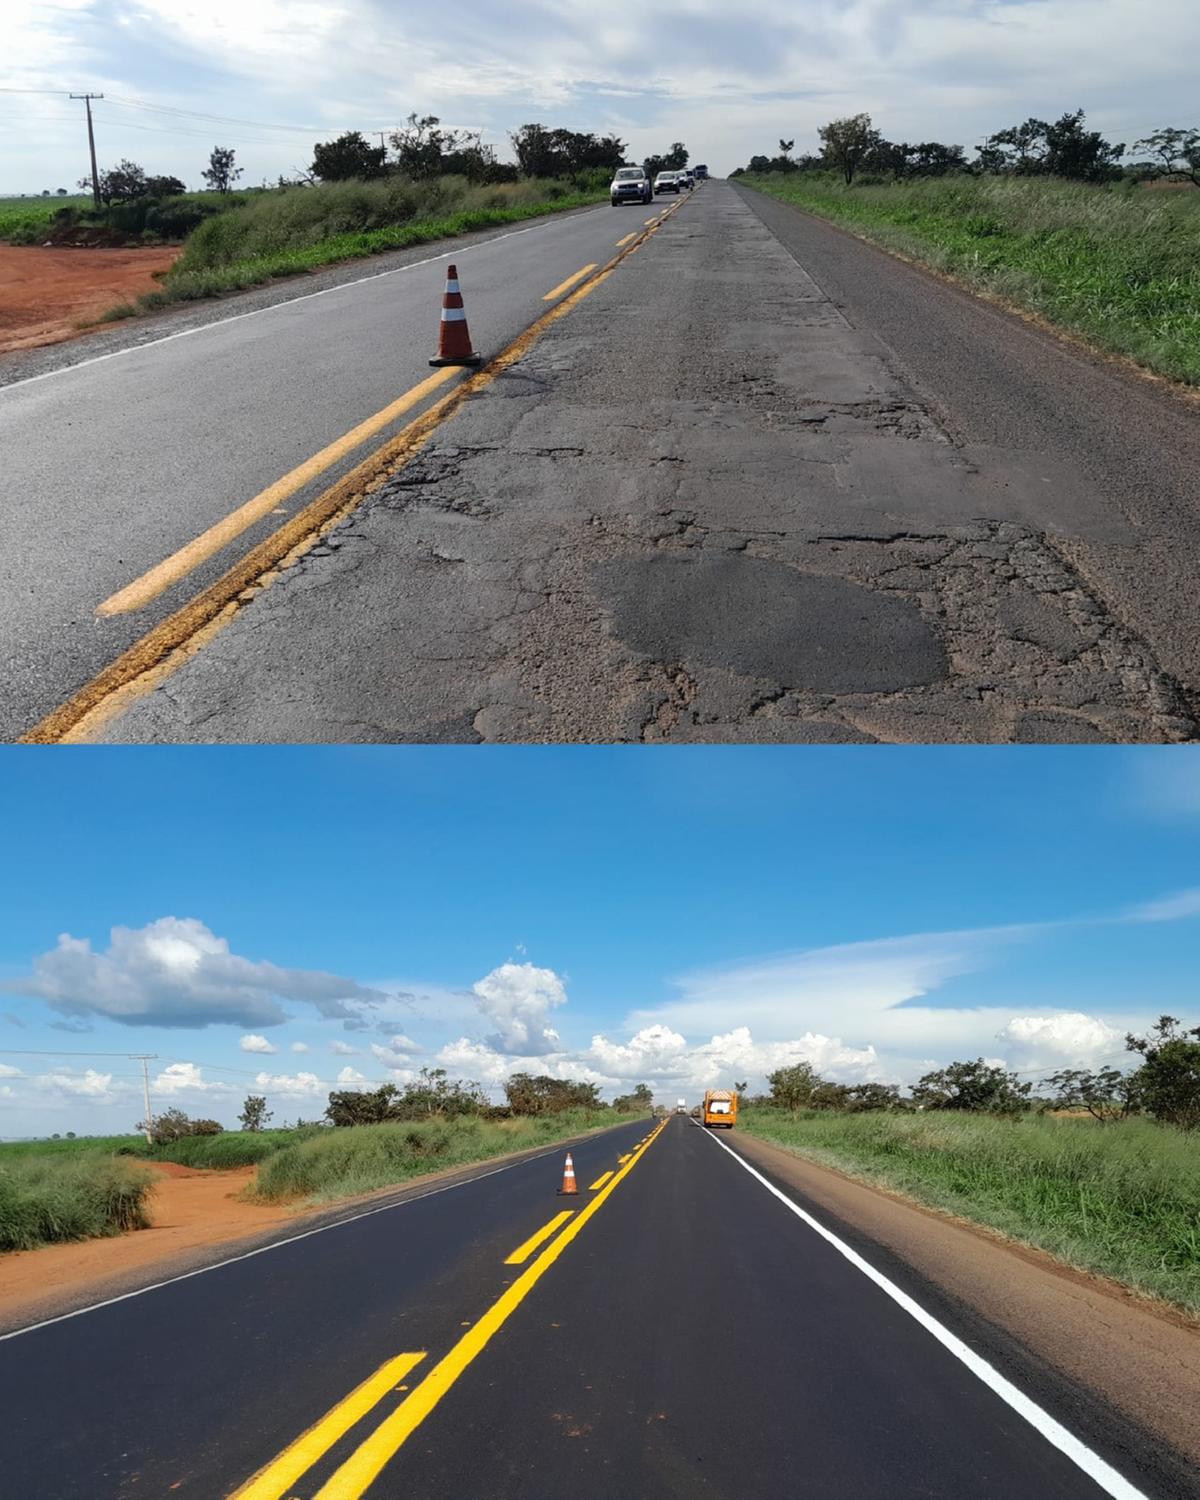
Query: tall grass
{"points": [[338, 1163], [48, 1198], [301, 229], [1117, 264], [1120, 1199]]}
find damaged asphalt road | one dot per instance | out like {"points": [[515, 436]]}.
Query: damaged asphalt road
{"points": [[714, 503]]}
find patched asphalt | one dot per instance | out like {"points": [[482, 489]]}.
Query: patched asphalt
{"points": [[719, 501]]}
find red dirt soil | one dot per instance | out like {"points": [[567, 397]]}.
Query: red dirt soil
{"points": [[44, 293], [189, 1209]]}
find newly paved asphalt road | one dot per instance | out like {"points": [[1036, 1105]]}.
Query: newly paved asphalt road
{"points": [[763, 482], [685, 1333]]}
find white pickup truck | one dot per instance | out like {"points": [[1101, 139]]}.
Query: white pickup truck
{"points": [[630, 185]]}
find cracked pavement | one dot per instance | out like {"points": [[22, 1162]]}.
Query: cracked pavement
{"points": [[710, 504]]}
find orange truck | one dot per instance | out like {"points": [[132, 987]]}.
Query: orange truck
{"points": [[720, 1108]]}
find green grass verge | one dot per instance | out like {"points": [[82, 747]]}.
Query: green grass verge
{"points": [[54, 1197], [1119, 265], [189, 281], [1122, 1199], [340, 1163]]}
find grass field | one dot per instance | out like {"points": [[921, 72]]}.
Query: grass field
{"points": [[1118, 265], [1122, 1199], [22, 217], [302, 229]]}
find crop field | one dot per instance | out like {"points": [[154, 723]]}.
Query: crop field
{"points": [[1121, 1199], [1118, 264]]}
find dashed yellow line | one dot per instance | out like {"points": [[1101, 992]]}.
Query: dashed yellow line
{"points": [[372, 1456], [281, 1473], [599, 1182], [522, 1253], [565, 286], [626, 240]]}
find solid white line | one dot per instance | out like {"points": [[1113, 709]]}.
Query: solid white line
{"points": [[183, 333], [306, 1234], [1055, 1433]]}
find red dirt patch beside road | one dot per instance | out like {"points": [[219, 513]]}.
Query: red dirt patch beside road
{"points": [[45, 292], [189, 1210]]}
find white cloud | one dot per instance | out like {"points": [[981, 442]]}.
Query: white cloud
{"points": [[285, 1086], [186, 1078], [89, 1085], [9, 1072], [299, 1046], [350, 1078], [517, 1000], [1172, 908], [1068, 1037], [176, 972], [397, 1053], [255, 1043], [343, 1049]]}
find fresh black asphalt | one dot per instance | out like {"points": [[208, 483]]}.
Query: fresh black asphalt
{"points": [[696, 1338]]}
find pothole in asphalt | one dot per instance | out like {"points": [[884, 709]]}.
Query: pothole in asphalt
{"points": [[764, 620]]}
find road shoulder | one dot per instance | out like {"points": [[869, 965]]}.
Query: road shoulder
{"points": [[1129, 1354]]}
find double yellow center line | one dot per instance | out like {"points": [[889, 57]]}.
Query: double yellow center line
{"points": [[375, 1452]]}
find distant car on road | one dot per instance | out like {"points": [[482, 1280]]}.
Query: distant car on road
{"points": [[685, 180], [666, 182], [699, 171], [630, 185]]}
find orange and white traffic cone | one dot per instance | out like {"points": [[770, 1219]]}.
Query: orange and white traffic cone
{"points": [[569, 1184], [454, 338]]}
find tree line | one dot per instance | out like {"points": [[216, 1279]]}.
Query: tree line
{"points": [[433, 1094], [1165, 1086], [853, 147], [424, 148]]}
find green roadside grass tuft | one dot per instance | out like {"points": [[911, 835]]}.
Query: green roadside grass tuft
{"points": [[1118, 265], [45, 1199], [305, 229], [1122, 1200], [340, 1163]]}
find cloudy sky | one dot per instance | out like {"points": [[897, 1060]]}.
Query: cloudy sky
{"points": [[269, 77], [283, 921]]}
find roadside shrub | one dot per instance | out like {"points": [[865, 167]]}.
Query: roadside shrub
{"points": [[45, 1199]]}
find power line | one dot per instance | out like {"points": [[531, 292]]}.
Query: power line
{"points": [[194, 114]]}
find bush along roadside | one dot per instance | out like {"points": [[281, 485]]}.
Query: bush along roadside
{"points": [[1116, 263], [47, 1199], [1120, 1199], [197, 275]]}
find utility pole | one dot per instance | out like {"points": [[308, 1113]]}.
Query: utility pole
{"points": [[87, 99], [145, 1058]]}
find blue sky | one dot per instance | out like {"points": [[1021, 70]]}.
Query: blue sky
{"points": [[727, 81], [679, 915]]}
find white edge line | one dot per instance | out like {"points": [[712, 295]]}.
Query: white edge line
{"points": [[306, 1234], [1104, 1475], [183, 333]]}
